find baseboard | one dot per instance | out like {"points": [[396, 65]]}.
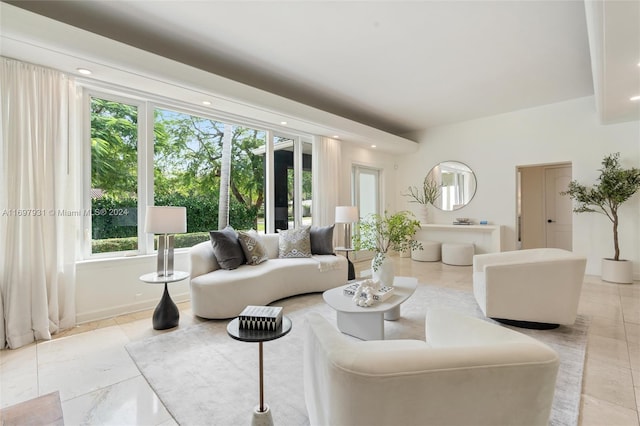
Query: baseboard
{"points": [[130, 308]]}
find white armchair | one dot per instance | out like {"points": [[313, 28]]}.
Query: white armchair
{"points": [[535, 288], [469, 371]]}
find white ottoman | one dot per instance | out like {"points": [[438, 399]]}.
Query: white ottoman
{"points": [[430, 252], [458, 254]]}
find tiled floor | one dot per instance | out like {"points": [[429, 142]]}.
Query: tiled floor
{"points": [[99, 384]]}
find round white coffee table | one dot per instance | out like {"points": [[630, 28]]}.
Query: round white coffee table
{"points": [[368, 323]]}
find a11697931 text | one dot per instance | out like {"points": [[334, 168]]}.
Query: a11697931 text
{"points": [[64, 212]]}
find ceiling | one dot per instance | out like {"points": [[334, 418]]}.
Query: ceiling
{"points": [[397, 66]]}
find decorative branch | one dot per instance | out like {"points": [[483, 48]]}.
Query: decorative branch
{"points": [[428, 194]]}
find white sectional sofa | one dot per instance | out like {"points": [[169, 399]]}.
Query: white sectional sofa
{"points": [[218, 293]]}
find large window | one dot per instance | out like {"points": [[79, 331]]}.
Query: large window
{"points": [[114, 176], [188, 163], [144, 154]]}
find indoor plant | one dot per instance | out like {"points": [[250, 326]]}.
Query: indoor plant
{"points": [[614, 186], [381, 233], [424, 196]]}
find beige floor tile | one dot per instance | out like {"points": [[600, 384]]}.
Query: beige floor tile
{"points": [[631, 308], [608, 383], [597, 412], [631, 290], [634, 355], [633, 332], [18, 375], [601, 307], [606, 327], [612, 351]]}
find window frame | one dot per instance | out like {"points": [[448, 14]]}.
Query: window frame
{"points": [[147, 104]]}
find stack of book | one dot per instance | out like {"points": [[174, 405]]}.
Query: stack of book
{"points": [[380, 295], [260, 318]]}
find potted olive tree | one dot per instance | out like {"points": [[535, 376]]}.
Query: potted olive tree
{"points": [[381, 233], [614, 186]]}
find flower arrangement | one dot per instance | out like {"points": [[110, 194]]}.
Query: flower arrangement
{"points": [[381, 233]]}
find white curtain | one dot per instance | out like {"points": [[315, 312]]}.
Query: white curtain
{"points": [[326, 168], [38, 212]]}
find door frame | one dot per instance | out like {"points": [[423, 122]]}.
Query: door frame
{"points": [[542, 190]]}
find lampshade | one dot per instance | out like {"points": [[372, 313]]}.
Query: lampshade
{"points": [[347, 214], [166, 220]]}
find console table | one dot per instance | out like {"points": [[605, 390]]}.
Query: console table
{"points": [[485, 238]]}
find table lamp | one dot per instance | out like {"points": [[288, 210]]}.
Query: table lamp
{"points": [[166, 221], [347, 215]]}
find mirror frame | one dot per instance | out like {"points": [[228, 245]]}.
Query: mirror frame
{"points": [[472, 186]]}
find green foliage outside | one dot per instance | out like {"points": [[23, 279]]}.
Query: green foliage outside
{"points": [[187, 163]]}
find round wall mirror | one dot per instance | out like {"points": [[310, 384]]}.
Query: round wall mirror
{"points": [[457, 184]]}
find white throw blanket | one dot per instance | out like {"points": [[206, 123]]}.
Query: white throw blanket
{"points": [[327, 263]]}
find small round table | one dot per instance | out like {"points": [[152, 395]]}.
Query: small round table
{"points": [[166, 315], [261, 414]]}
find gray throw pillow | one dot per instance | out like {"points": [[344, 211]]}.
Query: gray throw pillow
{"points": [[226, 248], [294, 243], [322, 239], [251, 243]]}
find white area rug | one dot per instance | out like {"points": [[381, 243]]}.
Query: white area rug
{"points": [[204, 377]]}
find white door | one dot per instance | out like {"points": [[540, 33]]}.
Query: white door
{"points": [[365, 193], [558, 208]]}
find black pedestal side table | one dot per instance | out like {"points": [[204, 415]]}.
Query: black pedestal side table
{"points": [[352, 271], [261, 413], [166, 314]]}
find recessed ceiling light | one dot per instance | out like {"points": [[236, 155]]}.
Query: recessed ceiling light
{"points": [[635, 98], [84, 71], [336, 137], [284, 123], [373, 146], [206, 103]]}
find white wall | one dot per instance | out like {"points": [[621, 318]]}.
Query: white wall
{"points": [[110, 287], [494, 146]]}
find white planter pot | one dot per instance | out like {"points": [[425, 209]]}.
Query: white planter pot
{"points": [[385, 273], [620, 271]]}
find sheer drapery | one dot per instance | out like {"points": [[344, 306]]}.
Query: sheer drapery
{"points": [[326, 180], [38, 215]]}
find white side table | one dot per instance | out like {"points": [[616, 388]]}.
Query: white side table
{"points": [[166, 315]]}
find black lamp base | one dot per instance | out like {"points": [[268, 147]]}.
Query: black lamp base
{"points": [[166, 314]]}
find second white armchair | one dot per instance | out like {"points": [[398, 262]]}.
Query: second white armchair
{"points": [[534, 288]]}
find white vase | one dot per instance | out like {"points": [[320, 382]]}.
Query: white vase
{"points": [[423, 213], [617, 271], [385, 272]]}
